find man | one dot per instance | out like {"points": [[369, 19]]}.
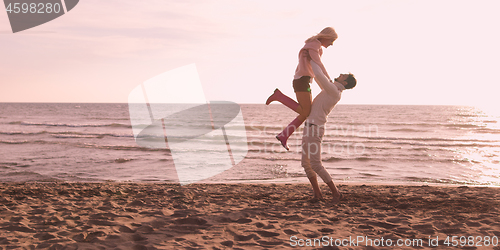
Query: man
{"points": [[314, 128]]}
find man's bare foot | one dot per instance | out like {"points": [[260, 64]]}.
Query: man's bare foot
{"points": [[316, 199], [336, 198]]}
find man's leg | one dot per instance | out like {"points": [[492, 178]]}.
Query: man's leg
{"points": [[311, 175], [335, 192], [317, 192], [316, 163]]}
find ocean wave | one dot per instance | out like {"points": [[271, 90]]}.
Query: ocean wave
{"points": [[122, 160], [404, 127], [490, 121], [263, 143], [487, 131], [110, 118], [368, 174], [394, 158], [272, 158], [23, 176], [264, 151], [367, 124], [70, 134], [473, 115], [13, 164], [411, 130], [13, 142], [264, 128], [48, 124], [85, 145], [22, 133], [448, 144], [123, 147], [66, 134], [333, 159], [361, 158], [384, 124], [387, 143], [464, 126], [447, 181], [396, 139]]}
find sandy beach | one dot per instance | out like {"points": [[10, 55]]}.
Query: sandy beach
{"points": [[245, 216]]}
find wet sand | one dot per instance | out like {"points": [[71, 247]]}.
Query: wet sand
{"points": [[244, 216]]}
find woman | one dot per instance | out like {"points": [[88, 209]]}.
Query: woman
{"points": [[301, 84]]}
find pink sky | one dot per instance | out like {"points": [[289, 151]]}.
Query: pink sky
{"points": [[402, 52]]}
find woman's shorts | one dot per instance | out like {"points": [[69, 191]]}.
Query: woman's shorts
{"points": [[302, 84]]}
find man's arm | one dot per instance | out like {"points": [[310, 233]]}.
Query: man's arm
{"points": [[323, 80], [312, 52], [317, 59]]}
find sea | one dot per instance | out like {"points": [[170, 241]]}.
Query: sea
{"points": [[372, 144]]}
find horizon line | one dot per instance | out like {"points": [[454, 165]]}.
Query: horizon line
{"points": [[367, 104]]}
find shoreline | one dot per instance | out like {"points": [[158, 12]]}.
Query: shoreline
{"points": [[246, 216], [287, 181]]}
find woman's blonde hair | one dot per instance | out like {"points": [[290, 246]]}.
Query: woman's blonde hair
{"points": [[328, 33]]}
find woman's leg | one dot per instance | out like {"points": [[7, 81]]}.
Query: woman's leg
{"points": [[302, 89], [305, 102], [304, 108], [285, 100]]}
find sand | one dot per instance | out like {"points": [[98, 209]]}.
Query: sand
{"points": [[244, 216]]}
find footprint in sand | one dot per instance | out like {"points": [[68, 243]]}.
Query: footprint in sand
{"points": [[191, 220], [19, 227], [290, 232], [382, 224], [451, 231], [398, 220], [269, 243], [326, 230], [125, 229], [138, 237], [228, 243], [267, 233], [424, 228], [238, 237], [184, 212], [473, 224], [44, 236], [243, 220]]}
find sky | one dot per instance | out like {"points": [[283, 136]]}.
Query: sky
{"points": [[402, 52]]}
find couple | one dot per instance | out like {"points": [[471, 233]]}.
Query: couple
{"points": [[314, 113]]}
